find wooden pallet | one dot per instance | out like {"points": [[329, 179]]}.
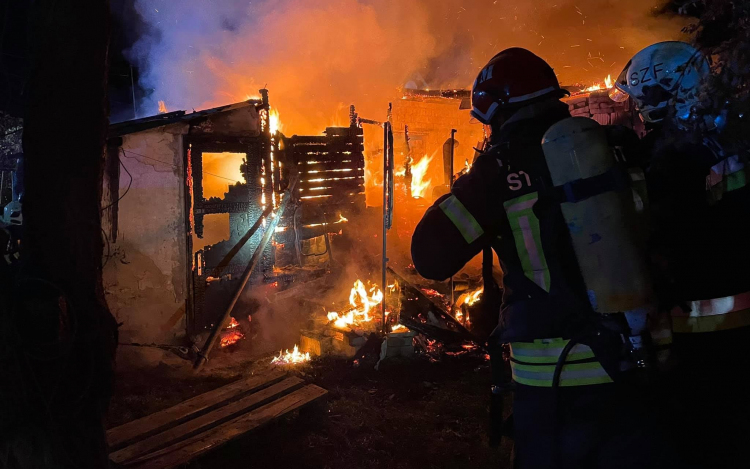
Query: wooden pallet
{"points": [[181, 433]]}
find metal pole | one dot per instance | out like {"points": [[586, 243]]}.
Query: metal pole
{"points": [[214, 335], [453, 144], [385, 218]]}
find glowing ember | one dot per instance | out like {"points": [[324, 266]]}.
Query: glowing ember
{"points": [[233, 323], [231, 337], [274, 122], [291, 358], [162, 108], [419, 183], [431, 293], [361, 303], [607, 84]]}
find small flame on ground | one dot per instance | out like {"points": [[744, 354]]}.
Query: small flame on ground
{"points": [[291, 358], [419, 184], [233, 323], [361, 303], [162, 108]]}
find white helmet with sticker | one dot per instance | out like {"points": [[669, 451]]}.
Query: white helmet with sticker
{"points": [[662, 75]]}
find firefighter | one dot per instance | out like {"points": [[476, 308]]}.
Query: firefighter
{"points": [[573, 406], [699, 204]]}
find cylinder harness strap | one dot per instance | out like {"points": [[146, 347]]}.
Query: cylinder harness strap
{"points": [[533, 364], [712, 315], [615, 179]]}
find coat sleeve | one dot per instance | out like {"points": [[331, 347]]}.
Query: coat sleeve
{"points": [[460, 224]]}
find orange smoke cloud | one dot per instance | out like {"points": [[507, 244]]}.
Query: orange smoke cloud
{"points": [[318, 56]]}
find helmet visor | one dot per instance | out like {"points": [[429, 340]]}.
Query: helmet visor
{"points": [[619, 92], [617, 95]]}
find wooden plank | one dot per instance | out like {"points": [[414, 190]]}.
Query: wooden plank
{"points": [[348, 162], [197, 445], [338, 182], [144, 427], [338, 200], [206, 421], [332, 173]]}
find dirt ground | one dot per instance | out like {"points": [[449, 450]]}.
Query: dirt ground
{"points": [[409, 414]]}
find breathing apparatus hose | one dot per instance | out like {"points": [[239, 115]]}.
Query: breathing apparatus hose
{"points": [[556, 400]]}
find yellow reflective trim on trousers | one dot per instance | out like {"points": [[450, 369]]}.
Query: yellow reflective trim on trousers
{"points": [[551, 368], [462, 219], [719, 322], [533, 364], [547, 383], [572, 374], [548, 353]]}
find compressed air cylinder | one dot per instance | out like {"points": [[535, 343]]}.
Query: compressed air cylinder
{"points": [[607, 230]]}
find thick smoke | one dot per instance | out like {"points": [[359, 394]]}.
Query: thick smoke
{"points": [[318, 56]]}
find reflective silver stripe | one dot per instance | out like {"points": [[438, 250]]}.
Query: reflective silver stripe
{"points": [[716, 306], [462, 219], [533, 95]]}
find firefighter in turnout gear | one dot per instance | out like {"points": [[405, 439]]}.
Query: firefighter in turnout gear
{"points": [[575, 404], [700, 203]]}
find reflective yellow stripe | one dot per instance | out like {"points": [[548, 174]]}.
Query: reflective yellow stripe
{"points": [[721, 322], [528, 238], [533, 364], [548, 353], [462, 219]]}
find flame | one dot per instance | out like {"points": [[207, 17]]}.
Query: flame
{"points": [[399, 328], [162, 108], [274, 123], [606, 85], [418, 183], [233, 323], [291, 358], [361, 303], [470, 298], [341, 219]]}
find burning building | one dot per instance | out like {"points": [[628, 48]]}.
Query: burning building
{"points": [[188, 198]]}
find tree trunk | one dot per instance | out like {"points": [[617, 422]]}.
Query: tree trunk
{"points": [[66, 336]]}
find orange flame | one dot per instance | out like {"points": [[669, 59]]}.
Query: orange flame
{"points": [[399, 328], [419, 183], [291, 358], [162, 108], [361, 303], [607, 84], [274, 123], [470, 298]]}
